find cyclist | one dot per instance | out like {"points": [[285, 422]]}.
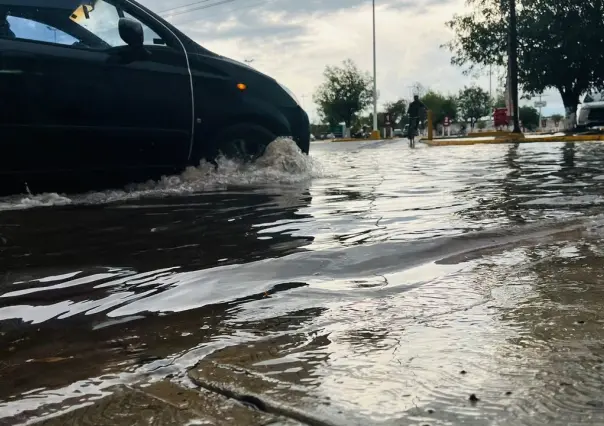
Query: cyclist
{"points": [[413, 111]]}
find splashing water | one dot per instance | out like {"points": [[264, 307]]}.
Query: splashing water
{"points": [[283, 163]]}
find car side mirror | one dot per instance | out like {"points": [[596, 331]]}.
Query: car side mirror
{"points": [[131, 32]]}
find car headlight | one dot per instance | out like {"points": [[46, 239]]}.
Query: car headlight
{"points": [[290, 93]]}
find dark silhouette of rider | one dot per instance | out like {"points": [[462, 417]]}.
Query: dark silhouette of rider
{"points": [[414, 110], [5, 31], [415, 107]]}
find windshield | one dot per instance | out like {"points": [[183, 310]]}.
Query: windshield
{"points": [[100, 18]]}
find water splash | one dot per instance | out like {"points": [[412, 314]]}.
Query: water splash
{"points": [[282, 163]]}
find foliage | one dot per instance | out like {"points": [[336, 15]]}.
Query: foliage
{"points": [[474, 103], [418, 89], [397, 111], [481, 125], [441, 106], [560, 43], [499, 101], [345, 92], [557, 118], [529, 117], [317, 129]]}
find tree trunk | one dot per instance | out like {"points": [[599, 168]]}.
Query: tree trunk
{"points": [[570, 99]]}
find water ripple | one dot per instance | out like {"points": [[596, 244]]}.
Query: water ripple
{"points": [[369, 284]]}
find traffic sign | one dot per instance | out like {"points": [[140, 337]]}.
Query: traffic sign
{"points": [[540, 104]]}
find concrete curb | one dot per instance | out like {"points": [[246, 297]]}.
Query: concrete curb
{"points": [[511, 139]]}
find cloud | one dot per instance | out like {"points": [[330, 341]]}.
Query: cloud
{"points": [[294, 40]]}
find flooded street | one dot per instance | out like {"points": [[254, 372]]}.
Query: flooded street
{"points": [[369, 284]]}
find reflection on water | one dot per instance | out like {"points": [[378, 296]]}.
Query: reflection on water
{"points": [[387, 293]]}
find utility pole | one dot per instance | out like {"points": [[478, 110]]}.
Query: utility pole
{"points": [[540, 104], [375, 125], [513, 65], [303, 101], [490, 82]]}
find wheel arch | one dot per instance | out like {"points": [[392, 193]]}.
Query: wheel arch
{"points": [[277, 125]]}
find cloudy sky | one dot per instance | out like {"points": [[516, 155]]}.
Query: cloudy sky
{"points": [[293, 40]]}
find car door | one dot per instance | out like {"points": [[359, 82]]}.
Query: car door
{"points": [[91, 104]]}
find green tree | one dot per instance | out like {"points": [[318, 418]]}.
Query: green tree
{"points": [[345, 92], [397, 111], [560, 43], [441, 106], [499, 101], [481, 125], [474, 103], [529, 117], [557, 118]]}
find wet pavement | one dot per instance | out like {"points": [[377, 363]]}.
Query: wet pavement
{"points": [[370, 284]]}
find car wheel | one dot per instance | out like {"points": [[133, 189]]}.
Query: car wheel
{"points": [[245, 142]]}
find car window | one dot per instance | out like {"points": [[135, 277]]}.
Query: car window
{"points": [[102, 18], [29, 29], [92, 25]]}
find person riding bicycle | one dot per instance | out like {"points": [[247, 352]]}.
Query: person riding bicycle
{"points": [[413, 111]]}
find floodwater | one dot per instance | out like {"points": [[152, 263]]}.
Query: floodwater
{"points": [[368, 284]]}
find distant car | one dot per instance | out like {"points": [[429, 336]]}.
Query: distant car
{"points": [[398, 133], [101, 93], [591, 112]]}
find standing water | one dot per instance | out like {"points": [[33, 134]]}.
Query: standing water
{"points": [[368, 284]]}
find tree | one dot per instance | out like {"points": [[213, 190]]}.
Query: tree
{"points": [[481, 125], [499, 101], [345, 92], [529, 117], [441, 106], [418, 89], [557, 118], [474, 103], [560, 44], [397, 111]]}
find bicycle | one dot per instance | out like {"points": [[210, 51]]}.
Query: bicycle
{"points": [[413, 121]]}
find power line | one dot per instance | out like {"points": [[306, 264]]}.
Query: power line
{"points": [[193, 9], [183, 6], [221, 2], [226, 11]]}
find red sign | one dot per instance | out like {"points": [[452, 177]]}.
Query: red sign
{"points": [[447, 123], [500, 117]]}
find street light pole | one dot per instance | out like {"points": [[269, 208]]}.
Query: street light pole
{"points": [[375, 126], [513, 65]]}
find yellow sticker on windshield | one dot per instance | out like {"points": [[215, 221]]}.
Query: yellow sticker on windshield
{"points": [[82, 12]]}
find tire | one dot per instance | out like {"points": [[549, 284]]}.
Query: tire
{"points": [[244, 141]]}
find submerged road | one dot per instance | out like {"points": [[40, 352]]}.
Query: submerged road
{"points": [[372, 284]]}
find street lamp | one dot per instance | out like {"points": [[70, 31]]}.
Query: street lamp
{"points": [[513, 65], [375, 126]]}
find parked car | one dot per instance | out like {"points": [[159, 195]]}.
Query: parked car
{"points": [[398, 133], [591, 112], [100, 93]]}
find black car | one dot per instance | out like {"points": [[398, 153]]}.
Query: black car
{"points": [[100, 93]]}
